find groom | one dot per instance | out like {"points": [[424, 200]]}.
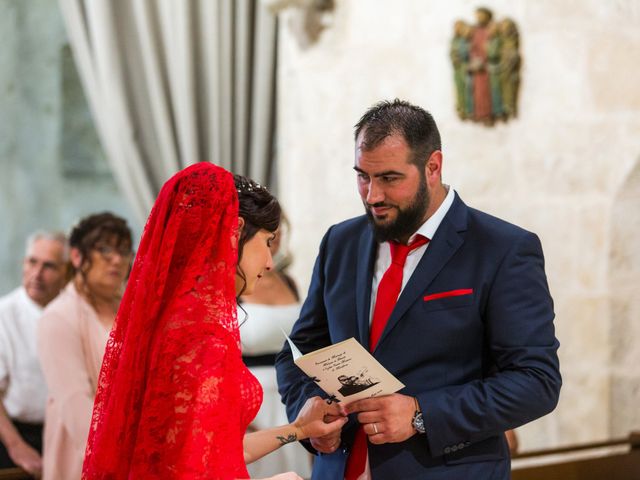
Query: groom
{"points": [[452, 301]]}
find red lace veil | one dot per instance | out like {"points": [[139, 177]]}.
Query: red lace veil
{"points": [[180, 296]]}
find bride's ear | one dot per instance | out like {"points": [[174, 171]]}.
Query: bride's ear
{"points": [[235, 238]]}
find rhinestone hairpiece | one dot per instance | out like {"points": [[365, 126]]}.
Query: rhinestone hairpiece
{"points": [[250, 186]]}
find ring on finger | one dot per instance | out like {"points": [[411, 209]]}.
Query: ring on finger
{"points": [[375, 428]]}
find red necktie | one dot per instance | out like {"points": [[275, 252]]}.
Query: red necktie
{"points": [[386, 298]]}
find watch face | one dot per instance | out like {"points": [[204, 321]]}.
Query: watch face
{"points": [[418, 422]]}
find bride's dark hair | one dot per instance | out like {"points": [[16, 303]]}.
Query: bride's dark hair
{"points": [[260, 211]]}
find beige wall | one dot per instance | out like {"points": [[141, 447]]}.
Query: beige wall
{"points": [[567, 168]]}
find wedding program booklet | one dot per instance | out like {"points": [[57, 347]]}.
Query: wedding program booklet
{"points": [[346, 371]]}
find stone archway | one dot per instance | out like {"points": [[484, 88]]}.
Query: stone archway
{"points": [[624, 284]]}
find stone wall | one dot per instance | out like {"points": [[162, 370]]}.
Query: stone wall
{"points": [[52, 168], [624, 328], [566, 169]]}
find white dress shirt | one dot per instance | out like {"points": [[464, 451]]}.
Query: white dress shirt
{"points": [[22, 386], [427, 229], [383, 261]]}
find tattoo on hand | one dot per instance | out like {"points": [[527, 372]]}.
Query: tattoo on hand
{"points": [[292, 437]]}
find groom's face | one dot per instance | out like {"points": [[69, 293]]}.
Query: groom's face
{"points": [[393, 190]]}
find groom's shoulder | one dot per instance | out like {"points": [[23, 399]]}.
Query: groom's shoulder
{"points": [[349, 229]]}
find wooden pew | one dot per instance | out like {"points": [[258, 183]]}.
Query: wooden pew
{"points": [[613, 460], [14, 474]]}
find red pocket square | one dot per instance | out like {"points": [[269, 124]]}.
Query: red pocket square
{"points": [[450, 293]]}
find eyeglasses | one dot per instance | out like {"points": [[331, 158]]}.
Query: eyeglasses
{"points": [[108, 252]]}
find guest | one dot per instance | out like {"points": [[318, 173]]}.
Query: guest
{"points": [[271, 309], [175, 399], [22, 386], [72, 336]]}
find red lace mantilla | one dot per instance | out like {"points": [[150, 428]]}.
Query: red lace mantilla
{"points": [[174, 398]]}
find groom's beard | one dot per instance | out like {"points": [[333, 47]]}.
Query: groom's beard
{"points": [[407, 221]]}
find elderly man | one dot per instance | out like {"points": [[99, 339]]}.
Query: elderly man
{"points": [[22, 387]]}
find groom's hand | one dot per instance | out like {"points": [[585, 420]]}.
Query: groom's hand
{"points": [[385, 419]]}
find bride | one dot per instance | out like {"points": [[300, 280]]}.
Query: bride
{"points": [[174, 399]]}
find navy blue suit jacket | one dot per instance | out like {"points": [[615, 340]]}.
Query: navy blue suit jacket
{"points": [[471, 336]]}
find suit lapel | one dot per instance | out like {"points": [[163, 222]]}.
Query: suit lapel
{"points": [[366, 260], [442, 247]]}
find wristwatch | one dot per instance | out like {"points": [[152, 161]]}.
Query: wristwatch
{"points": [[417, 422]]}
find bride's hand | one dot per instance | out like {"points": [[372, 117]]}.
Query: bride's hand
{"points": [[315, 418]]}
